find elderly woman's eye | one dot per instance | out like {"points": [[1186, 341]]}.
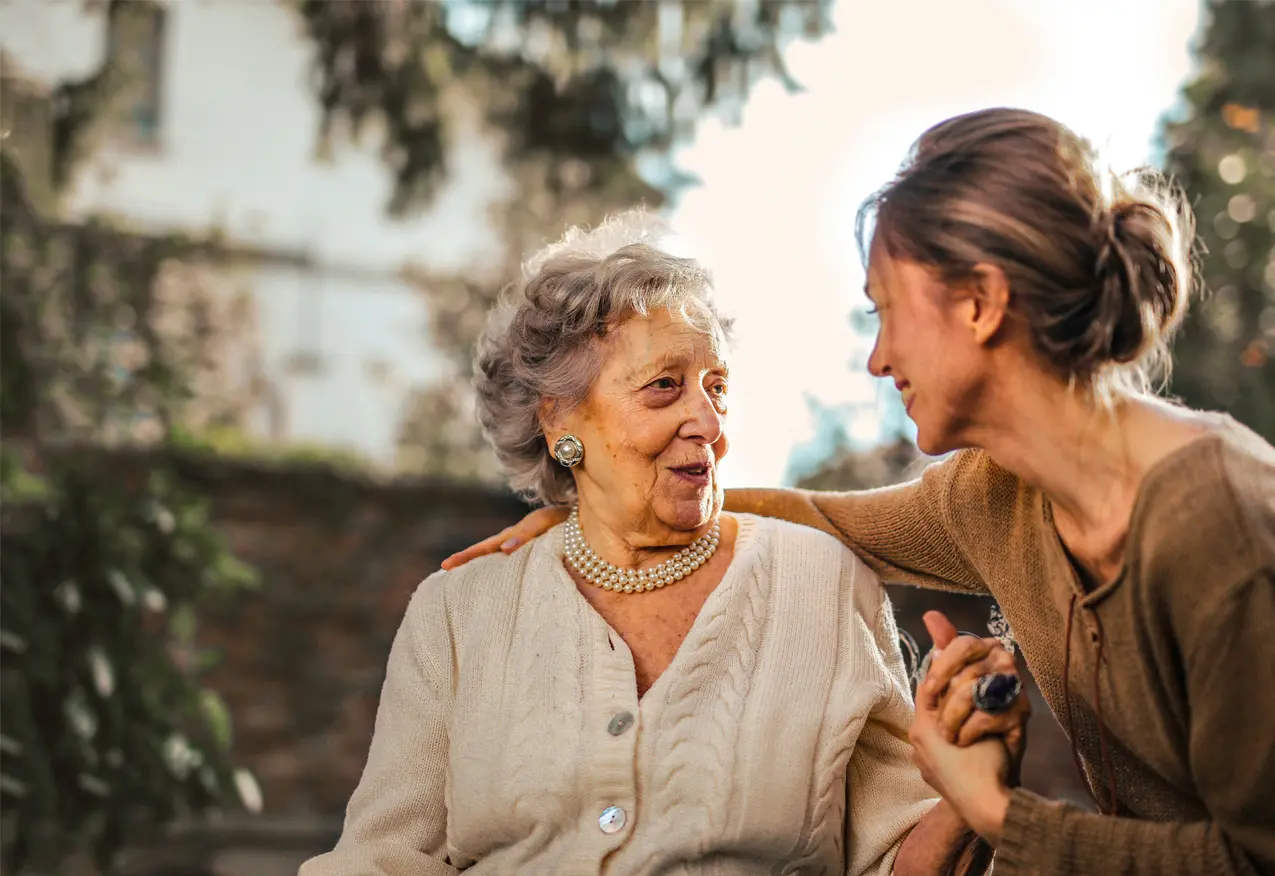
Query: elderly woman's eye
{"points": [[664, 383]]}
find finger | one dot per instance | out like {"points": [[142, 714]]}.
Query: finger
{"points": [[941, 629], [1000, 660], [980, 725], [510, 538], [955, 657], [956, 704], [483, 548], [961, 722], [995, 661], [539, 522], [1016, 743], [532, 526]]}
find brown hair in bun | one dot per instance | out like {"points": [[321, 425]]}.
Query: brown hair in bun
{"points": [[1099, 267]]}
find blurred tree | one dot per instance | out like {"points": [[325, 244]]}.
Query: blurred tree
{"points": [[1223, 153], [106, 338], [581, 94], [831, 461], [597, 81], [864, 469]]}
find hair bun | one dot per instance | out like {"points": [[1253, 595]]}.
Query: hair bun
{"points": [[1141, 295], [1099, 264]]}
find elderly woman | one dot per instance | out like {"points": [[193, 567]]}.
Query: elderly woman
{"points": [[652, 686]]}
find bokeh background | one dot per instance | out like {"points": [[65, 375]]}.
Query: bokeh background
{"points": [[247, 246]]}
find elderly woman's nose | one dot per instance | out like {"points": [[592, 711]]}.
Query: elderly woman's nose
{"points": [[704, 419]]}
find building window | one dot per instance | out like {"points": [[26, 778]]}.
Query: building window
{"points": [[135, 42]]}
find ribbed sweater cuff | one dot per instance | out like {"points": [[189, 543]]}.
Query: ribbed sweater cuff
{"points": [[1033, 825]]}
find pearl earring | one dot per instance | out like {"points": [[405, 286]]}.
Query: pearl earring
{"points": [[568, 450]]}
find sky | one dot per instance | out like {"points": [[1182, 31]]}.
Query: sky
{"points": [[774, 216]]}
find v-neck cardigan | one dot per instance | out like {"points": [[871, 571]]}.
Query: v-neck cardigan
{"points": [[510, 739]]}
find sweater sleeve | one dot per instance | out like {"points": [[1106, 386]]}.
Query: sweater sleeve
{"points": [[886, 795], [396, 821], [1229, 676], [905, 533]]}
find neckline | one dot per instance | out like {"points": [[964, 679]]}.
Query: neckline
{"points": [[744, 547], [1150, 481]]}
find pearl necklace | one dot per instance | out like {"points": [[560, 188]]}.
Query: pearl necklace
{"points": [[600, 573]]}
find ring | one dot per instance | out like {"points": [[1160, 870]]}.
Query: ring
{"points": [[996, 692]]}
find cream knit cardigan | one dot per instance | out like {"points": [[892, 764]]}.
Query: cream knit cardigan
{"points": [[775, 742]]}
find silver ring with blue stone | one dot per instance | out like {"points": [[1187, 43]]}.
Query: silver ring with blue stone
{"points": [[996, 692]]}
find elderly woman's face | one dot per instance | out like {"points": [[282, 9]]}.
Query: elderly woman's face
{"points": [[653, 427]]}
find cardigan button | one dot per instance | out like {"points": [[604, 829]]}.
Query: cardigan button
{"points": [[612, 819], [621, 722]]}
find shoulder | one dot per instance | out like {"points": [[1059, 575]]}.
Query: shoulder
{"points": [[781, 539], [1247, 466], [1213, 500], [1204, 525], [468, 596], [811, 559]]}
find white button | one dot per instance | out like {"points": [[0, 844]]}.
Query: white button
{"points": [[612, 819]]}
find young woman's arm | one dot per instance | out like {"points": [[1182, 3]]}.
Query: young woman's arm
{"points": [[905, 533], [1232, 763]]}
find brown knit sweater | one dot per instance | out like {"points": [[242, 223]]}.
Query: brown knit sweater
{"points": [[1177, 655]]}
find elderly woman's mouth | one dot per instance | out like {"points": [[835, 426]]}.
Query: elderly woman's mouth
{"points": [[699, 474]]}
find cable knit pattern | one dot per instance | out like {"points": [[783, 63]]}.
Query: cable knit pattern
{"points": [[706, 701], [492, 751]]}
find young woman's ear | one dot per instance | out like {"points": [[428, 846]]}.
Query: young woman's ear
{"points": [[990, 302]]}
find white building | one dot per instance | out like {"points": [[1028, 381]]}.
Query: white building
{"points": [[224, 136]]}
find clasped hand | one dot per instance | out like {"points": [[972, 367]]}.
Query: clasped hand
{"points": [[970, 757]]}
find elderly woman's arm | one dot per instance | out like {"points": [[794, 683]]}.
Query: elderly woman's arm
{"points": [[893, 824], [396, 822]]}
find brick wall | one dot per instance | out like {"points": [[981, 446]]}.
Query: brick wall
{"points": [[303, 656]]}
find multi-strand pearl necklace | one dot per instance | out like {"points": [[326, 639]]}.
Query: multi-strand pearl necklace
{"points": [[600, 573]]}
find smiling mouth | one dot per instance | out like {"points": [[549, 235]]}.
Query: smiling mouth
{"points": [[907, 394], [698, 473]]}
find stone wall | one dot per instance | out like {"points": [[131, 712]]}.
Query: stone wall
{"points": [[302, 657]]}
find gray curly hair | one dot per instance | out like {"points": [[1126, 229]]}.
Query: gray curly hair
{"points": [[543, 338]]}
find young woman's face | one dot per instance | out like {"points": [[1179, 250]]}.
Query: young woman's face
{"points": [[925, 344]]}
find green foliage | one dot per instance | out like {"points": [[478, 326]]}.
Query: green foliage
{"points": [[234, 442], [578, 92], [593, 82], [104, 332], [1223, 153], [105, 730]]}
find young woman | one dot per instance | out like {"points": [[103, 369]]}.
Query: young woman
{"points": [[1025, 302]]}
